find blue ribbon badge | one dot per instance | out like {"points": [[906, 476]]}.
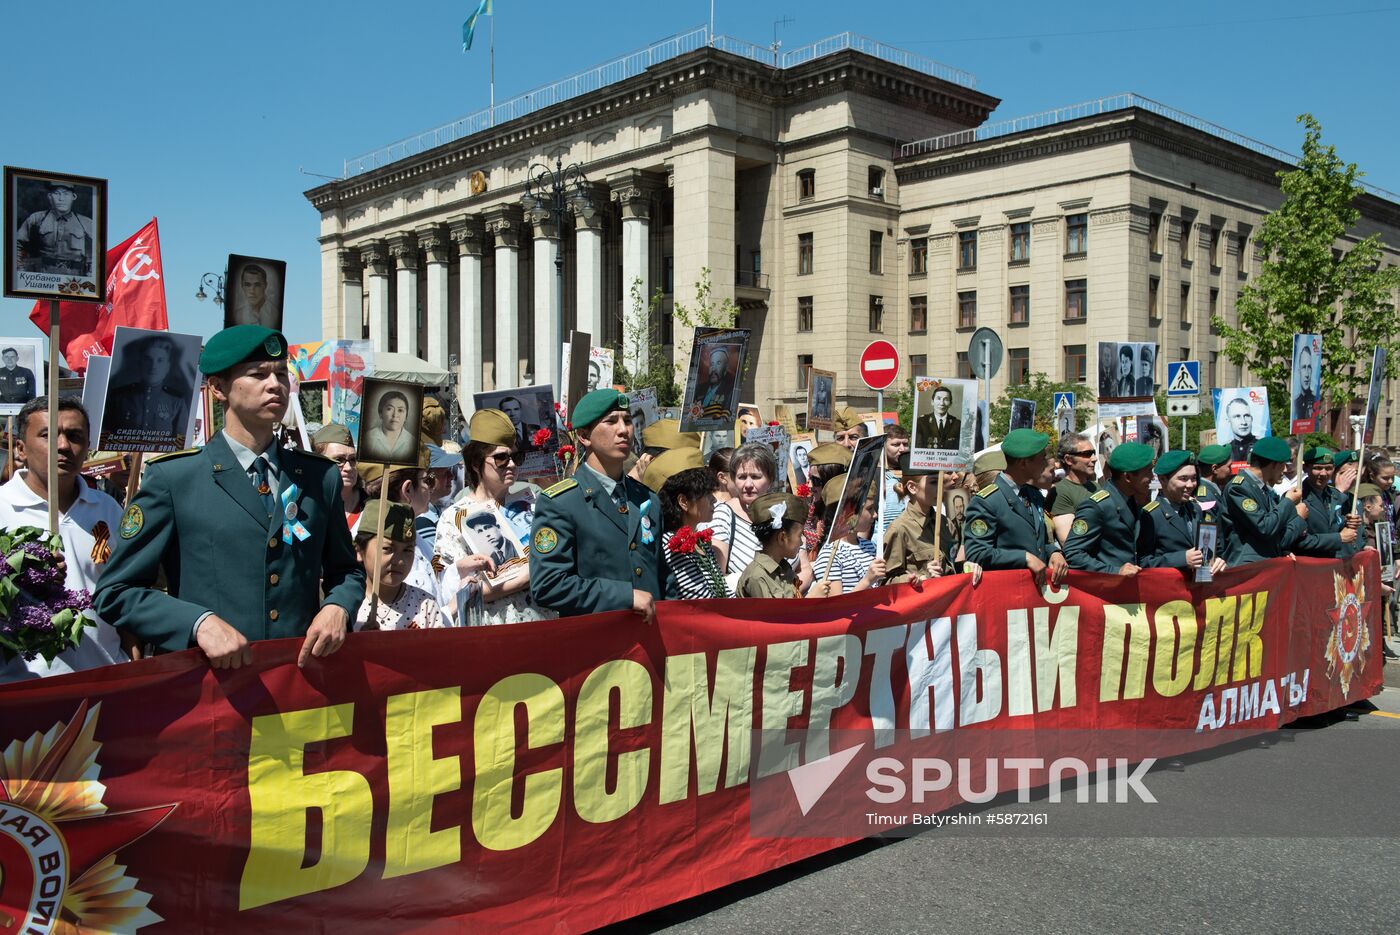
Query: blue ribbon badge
{"points": [[648, 535], [291, 525]]}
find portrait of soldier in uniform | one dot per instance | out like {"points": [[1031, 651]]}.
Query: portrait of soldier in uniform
{"points": [[1241, 418], [58, 239], [255, 292], [17, 382], [55, 235], [150, 391], [1307, 373]]}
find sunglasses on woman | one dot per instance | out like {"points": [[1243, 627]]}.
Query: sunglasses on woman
{"points": [[504, 458]]}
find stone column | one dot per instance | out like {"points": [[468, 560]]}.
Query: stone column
{"points": [[433, 240], [352, 293], [703, 193], [548, 338], [633, 192], [467, 233], [503, 223], [375, 256], [588, 243], [404, 248]]}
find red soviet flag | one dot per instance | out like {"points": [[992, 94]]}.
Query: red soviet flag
{"points": [[135, 298]]}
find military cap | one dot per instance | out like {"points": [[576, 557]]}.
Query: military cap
{"points": [[369, 471], [1344, 456], [398, 521], [595, 405], [1214, 455], [1366, 491], [241, 343], [1318, 455], [788, 507], [989, 461], [1024, 443], [56, 186], [666, 433], [1171, 462], [905, 470], [1131, 456], [434, 419], [670, 463], [1272, 448], [844, 419], [332, 434], [491, 426], [830, 453], [831, 493]]}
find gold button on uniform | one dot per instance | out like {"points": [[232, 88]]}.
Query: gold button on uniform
{"points": [[632, 546], [272, 580], [637, 571], [272, 543], [272, 615]]}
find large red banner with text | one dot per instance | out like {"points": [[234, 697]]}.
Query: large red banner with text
{"points": [[559, 776]]}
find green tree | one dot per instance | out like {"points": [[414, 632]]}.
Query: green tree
{"points": [[1041, 390], [641, 339], [1309, 285]]}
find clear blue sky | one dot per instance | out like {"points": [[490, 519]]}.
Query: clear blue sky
{"points": [[201, 114]]}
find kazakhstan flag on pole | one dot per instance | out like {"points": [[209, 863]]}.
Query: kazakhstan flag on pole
{"points": [[469, 27]]}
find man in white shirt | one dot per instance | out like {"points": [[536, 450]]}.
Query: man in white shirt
{"points": [[87, 519]]}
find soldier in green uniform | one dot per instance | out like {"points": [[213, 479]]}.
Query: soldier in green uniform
{"points": [[1261, 522], [1177, 518], [249, 535], [596, 536], [777, 519], [1006, 525], [1329, 530], [1214, 473], [1109, 534]]}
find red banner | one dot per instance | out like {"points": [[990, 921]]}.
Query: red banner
{"points": [[559, 776]]}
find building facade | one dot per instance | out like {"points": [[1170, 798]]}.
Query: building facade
{"points": [[788, 183]]}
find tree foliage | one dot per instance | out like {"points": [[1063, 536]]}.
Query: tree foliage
{"points": [[641, 336], [1310, 285], [1041, 390]]}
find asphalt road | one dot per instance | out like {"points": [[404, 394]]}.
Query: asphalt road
{"points": [[970, 883]]}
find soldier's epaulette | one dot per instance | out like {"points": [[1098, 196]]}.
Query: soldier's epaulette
{"points": [[567, 483], [173, 454], [1099, 496], [1239, 479], [1152, 506], [987, 491]]}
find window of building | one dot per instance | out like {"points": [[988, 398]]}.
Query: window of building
{"points": [[877, 251], [804, 364], [1211, 369], [1020, 305], [1154, 309], [806, 184], [1242, 257], [918, 365], [876, 179], [967, 250], [668, 274], [877, 313], [1186, 305], [804, 254], [1076, 299], [1076, 363], [804, 313], [756, 262], [1215, 247], [918, 314], [1154, 233], [1077, 234], [1185, 354], [964, 367], [1214, 303], [918, 255], [967, 309], [1188, 221], [1019, 361], [1020, 241]]}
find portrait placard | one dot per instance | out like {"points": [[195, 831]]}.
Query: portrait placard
{"points": [[21, 373], [945, 412], [600, 369], [254, 291], [349, 362], [55, 236], [1241, 418], [1306, 402], [1064, 420], [748, 418], [642, 402], [799, 450], [1206, 541], [390, 420], [574, 362], [1126, 370], [530, 409], [821, 393], [95, 389], [783, 413], [152, 390], [862, 483], [776, 437], [1385, 546], [955, 508], [1374, 394], [519, 510], [711, 399], [1022, 414], [312, 395], [489, 533]]}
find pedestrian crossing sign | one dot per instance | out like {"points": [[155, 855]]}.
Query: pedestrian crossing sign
{"points": [[1063, 401], [1184, 378]]}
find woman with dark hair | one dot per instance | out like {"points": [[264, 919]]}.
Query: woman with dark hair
{"points": [[724, 481], [390, 438], [688, 502]]}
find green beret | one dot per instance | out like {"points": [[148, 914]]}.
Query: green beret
{"points": [[1131, 456], [332, 434], [1366, 491], [1171, 462], [1214, 455], [670, 463], [989, 461], [1318, 455], [241, 343], [1344, 456], [830, 453], [906, 471], [794, 510], [666, 433], [1024, 443], [398, 521], [1272, 448], [591, 409], [491, 426]]}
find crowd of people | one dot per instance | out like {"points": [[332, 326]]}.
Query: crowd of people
{"points": [[245, 539]]}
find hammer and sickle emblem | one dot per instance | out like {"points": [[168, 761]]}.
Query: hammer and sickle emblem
{"points": [[145, 267]]}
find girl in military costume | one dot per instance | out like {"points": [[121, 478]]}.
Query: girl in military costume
{"points": [[777, 523]]}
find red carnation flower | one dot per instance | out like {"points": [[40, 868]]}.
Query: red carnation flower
{"points": [[683, 540], [541, 437], [566, 451], [774, 422], [705, 535], [804, 490]]}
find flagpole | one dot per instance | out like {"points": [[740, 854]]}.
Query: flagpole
{"points": [[53, 417], [493, 66]]}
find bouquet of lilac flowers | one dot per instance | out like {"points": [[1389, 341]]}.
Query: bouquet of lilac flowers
{"points": [[39, 616]]}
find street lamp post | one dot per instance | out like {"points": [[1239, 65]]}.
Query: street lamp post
{"points": [[551, 193], [214, 281]]}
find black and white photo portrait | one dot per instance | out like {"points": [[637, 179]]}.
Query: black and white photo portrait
{"points": [[1373, 395], [748, 418], [711, 400], [530, 409], [55, 236], [821, 390], [945, 413], [254, 291], [1241, 418], [489, 533], [390, 419], [600, 369], [1022, 414], [642, 402], [21, 367], [1206, 542], [151, 389], [1127, 369], [798, 451], [1306, 401]]}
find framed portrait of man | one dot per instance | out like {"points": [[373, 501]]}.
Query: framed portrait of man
{"points": [[1374, 394], [799, 450], [55, 236], [1022, 414], [1241, 418], [529, 408], [642, 402], [821, 396], [600, 369], [489, 533], [862, 484], [1206, 542], [945, 413], [391, 416], [253, 291], [748, 418], [1305, 404], [711, 400], [312, 395], [150, 403], [21, 373]]}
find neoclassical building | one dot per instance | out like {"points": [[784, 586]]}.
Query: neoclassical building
{"points": [[836, 193]]}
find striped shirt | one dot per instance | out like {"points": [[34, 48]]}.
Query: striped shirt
{"points": [[690, 578], [849, 566], [743, 544]]}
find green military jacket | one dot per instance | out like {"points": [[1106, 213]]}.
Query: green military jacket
{"points": [[767, 577], [1212, 501], [1108, 533], [198, 519], [1001, 527], [1174, 534], [1262, 524], [909, 545], [1321, 534], [587, 554]]}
